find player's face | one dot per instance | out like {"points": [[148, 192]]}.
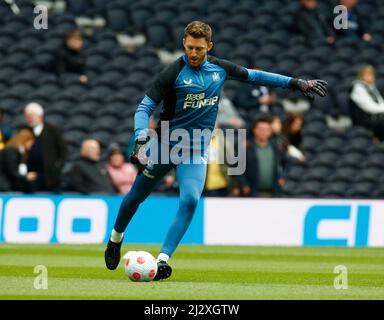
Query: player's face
{"points": [[196, 50]]}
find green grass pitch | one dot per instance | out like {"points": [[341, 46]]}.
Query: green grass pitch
{"points": [[199, 272]]}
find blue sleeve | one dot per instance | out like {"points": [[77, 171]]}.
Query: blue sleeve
{"points": [[267, 78], [142, 116]]}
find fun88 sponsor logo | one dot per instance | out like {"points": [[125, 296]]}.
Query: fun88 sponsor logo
{"points": [[45, 220]]}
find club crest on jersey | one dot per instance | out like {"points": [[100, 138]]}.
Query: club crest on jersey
{"points": [[188, 82], [215, 77], [150, 164]]}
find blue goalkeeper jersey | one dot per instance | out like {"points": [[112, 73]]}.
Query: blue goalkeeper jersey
{"points": [[190, 98]]}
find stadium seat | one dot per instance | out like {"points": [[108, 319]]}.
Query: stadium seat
{"points": [[290, 188], [327, 159], [358, 132], [318, 173], [375, 161], [78, 7], [99, 6], [296, 172], [378, 192], [309, 189], [332, 144], [158, 34], [86, 108], [358, 144], [55, 119], [78, 123], [315, 129], [310, 144], [11, 105], [368, 175], [104, 138], [106, 124], [74, 137], [96, 62], [352, 159], [362, 190], [139, 17], [335, 189]]}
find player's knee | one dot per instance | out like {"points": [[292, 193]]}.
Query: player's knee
{"points": [[189, 202]]}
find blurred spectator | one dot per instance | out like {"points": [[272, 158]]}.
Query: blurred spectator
{"points": [[123, 174], [265, 162], [356, 25], [228, 116], [367, 104], [169, 184], [282, 141], [218, 183], [14, 174], [48, 153], [255, 99], [310, 23], [71, 59], [292, 126], [5, 131], [88, 174]]}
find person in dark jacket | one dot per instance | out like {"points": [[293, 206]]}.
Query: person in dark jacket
{"points": [[357, 27], [14, 175], [48, 153], [265, 162], [88, 175], [311, 24], [71, 59]]}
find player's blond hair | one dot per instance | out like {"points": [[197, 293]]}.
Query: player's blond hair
{"points": [[197, 30]]}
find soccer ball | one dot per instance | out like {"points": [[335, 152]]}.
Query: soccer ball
{"points": [[140, 266]]}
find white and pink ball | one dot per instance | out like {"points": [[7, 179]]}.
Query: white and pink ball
{"points": [[140, 266]]}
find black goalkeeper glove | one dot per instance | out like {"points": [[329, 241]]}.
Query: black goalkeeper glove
{"points": [[138, 155], [309, 87]]}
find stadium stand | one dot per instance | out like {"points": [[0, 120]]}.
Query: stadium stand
{"points": [[340, 163]]}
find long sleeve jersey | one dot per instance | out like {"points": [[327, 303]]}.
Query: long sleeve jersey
{"points": [[190, 96]]}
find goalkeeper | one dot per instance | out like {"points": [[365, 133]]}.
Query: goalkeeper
{"points": [[189, 89]]}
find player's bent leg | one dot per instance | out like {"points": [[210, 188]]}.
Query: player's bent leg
{"points": [[191, 178], [142, 187]]}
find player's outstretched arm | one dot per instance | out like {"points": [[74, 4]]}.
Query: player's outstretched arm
{"points": [[307, 87], [263, 78]]}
